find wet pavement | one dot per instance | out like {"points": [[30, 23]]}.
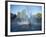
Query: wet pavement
{"points": [[15, 27]]}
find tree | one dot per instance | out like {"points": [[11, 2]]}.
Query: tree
{"points": [[39, 17], [39, 14], [22, 15]]}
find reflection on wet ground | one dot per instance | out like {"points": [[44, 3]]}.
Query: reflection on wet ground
{"points": [[34, 26]]}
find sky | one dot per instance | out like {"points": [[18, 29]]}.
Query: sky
{"points": [[30, 9]]}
